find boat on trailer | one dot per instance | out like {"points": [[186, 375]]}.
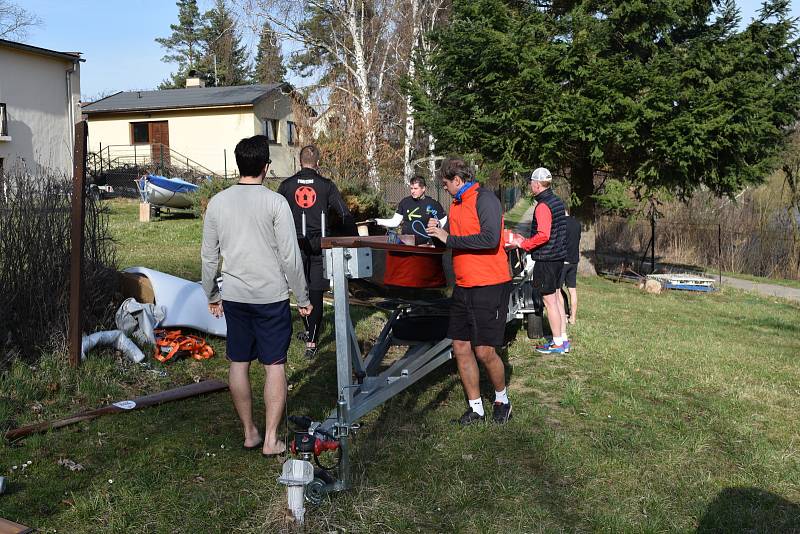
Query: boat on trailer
{"points": [[165, 192]]}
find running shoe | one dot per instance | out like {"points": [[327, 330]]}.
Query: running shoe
{"points": [[470, 417], [501, 412], [546, 345], [311, 353], [566, 346], [552, 349]]}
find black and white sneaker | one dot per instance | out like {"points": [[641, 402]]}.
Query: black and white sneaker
{"points": [[469, 417], [303, 336], [501, 412], [311, 353]]}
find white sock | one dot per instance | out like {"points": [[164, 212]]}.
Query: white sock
{"points": [[501, 396], [477, 406], [557, 340]]}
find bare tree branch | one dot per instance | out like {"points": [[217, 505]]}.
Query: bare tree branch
{"points": [[16, 22]]}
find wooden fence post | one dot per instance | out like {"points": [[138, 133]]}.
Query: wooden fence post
{"points": [[76, 244]]}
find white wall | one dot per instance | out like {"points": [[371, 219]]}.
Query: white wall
{"points": [[206, 136], [202, 135], [40, 114]]}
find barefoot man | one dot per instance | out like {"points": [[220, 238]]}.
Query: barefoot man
{"points": [[251, 229]]}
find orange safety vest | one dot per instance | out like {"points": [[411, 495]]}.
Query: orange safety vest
{"points": [[474, 268]]}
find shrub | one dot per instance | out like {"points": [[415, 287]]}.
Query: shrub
{"points": [[35, 263], [207, 189], [365, 203]]}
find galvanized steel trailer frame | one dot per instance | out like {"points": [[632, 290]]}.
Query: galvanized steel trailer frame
{"points": [[361, 386]]}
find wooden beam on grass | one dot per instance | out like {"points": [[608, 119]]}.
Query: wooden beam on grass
{"points": [[10, 527], [183, 392]]}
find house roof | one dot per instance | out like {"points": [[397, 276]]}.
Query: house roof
{"points": [[193, 97], [71, 56]]}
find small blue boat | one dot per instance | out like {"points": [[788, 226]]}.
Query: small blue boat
{"points": [[165, 192]]}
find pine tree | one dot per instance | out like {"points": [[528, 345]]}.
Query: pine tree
{"points": [[269, 66], [225, 58], [663, 96], [184, 46]]}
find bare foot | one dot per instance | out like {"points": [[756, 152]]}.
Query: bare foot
{"points": [[274, 448], [252, 438]]}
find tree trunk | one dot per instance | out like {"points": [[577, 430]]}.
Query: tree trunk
{"points": [[431, 161], [408, 168], [365, 98], [582, 181]]}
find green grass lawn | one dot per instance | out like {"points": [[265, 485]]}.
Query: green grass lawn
{"points": [[674, 412]]}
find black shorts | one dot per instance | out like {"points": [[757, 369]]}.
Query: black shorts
{"points": [[258, 331], [569, 275], [547, 275], [312, 264], [478, 314]]}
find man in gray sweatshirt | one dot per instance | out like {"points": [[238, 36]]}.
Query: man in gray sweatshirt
{"points": [[252, 229]]}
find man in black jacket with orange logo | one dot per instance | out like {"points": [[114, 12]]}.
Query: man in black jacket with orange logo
{"points": [[312, 198]]}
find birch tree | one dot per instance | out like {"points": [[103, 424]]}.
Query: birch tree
{"points": [[424, 16], [350, 38]]}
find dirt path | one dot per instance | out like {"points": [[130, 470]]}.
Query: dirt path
{"points": [[768, 290]]}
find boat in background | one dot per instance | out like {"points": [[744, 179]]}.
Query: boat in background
{"points": [[165, 192]]}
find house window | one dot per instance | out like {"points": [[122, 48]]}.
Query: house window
{"points": [[140, 132], [3, 120], [271, 130], [291, 133]]}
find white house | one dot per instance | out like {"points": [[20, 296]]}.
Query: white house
{"points": [[198, 126], [39, 105]]}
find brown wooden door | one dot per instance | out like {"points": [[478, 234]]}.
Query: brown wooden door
{"points": [[159, 141]]}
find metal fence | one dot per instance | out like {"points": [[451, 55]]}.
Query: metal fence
{"points": [[770, 250]]}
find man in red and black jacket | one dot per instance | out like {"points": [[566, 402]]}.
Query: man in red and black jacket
{"points": [[479, 305], [548, 248], [312, 199]]}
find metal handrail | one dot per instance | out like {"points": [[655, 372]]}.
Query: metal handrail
{"points": [[144, 153]]}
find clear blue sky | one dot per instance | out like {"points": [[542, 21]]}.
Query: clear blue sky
{"points": [[116, 37]]}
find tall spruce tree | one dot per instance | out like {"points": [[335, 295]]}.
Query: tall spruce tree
{"points": [[269, 66], [224, 56], [185, 45], [665, 95]]}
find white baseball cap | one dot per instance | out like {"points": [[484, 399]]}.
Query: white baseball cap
{"points": [[541, 175]]}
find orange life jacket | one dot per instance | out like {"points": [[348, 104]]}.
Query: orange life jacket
{"points": [[172, 342]]}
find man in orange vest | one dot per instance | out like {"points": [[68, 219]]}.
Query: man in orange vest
{"points": [[483, 283]]}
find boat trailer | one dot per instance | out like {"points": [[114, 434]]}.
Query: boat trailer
{"points": [[362, 384]]}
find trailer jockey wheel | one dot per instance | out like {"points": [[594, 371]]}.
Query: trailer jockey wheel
{"points": [[317, 489]]}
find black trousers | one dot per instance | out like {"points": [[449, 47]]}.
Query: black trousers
{"points": [[317, 285]]}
